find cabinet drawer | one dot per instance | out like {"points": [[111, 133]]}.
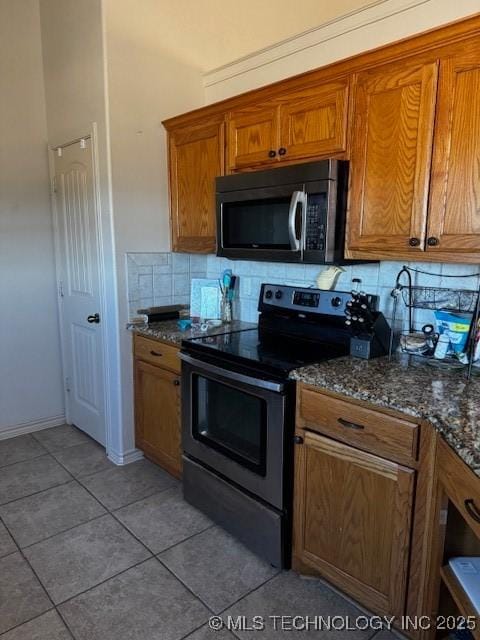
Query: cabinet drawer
{"points": [[158, 353], [461, 485], [369, 430]]}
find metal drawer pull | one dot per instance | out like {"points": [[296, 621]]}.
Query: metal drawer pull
{"points": [[155, 353], [472, 509], [350, 425]]}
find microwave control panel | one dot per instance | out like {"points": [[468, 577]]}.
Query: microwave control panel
{"points": [[316, 221]]}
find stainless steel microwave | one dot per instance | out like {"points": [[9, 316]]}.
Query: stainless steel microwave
{"points": [[289, 214]]}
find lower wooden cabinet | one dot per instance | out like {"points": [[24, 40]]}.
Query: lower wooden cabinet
{"points": [[157, 415], [352, 520]]}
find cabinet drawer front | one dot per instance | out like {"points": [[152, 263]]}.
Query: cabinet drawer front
{"points": [[461, 485], [158, 353], [369, 430]]}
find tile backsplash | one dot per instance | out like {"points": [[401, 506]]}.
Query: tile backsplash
{"points": [[164, 278]]}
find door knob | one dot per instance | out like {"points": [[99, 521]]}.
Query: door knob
{"points": [[272, 153], [414, 242], [95, 319], [282, 151], [432, 241]]}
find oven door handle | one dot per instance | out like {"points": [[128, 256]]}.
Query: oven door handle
{"points": [[298, 197], [277, 387]]}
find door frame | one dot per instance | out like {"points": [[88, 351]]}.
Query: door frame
{"points": [[108, 294]]}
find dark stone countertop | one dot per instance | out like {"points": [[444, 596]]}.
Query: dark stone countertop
{"points": [[443, 397], [168, 330]]}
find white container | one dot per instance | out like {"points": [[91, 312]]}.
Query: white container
{"points": [[442, 346]]}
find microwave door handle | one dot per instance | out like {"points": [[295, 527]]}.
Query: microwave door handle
{"points": [[297, 198]]}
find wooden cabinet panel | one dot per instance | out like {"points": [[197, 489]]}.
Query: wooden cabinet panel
{"points": [[197, 157], [352, 520], [390, 161], [461, 485], [454, 218], [157, 353], [157, 415], [253, 136], [369, 430], [313, 122]]}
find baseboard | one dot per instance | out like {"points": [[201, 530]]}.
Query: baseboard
{"points": [[126, 458], [31, 427]]}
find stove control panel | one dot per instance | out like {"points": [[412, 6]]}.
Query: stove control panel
{"points": [[318, 301]]}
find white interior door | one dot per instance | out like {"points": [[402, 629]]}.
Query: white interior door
{"points": [[78, 249]]}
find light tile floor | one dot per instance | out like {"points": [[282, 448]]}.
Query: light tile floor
{"points": [[92, 551]]}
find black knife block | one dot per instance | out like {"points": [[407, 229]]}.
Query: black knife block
{"points": [[373, 343]]}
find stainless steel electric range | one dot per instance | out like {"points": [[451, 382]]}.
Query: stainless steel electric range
{"points": [[238, 408]]}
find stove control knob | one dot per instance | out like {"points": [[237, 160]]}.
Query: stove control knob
{"points": [[268, 294], [336, 302], [278, 294]]}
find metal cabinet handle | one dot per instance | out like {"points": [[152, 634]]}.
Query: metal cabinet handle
{"points": [[272, 153], [297, 439], [282, 151], [432, 241], [156, 354], [472, 509], [176, 383], [414, 242], [350, 425]]}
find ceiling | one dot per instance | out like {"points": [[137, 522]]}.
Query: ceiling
{"points": [[210, 33]]}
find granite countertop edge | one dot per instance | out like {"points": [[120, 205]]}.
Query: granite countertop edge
{"points": [[453, 416]]}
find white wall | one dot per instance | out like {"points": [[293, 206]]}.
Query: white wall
{"points": [[380, 24], [30, 367], [145, 85]]}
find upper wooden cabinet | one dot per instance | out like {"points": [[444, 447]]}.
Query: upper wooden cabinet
{"points": [[197, 156], [308, 123], [253, 136], [392, 134], [407, 118], [454, 219]]}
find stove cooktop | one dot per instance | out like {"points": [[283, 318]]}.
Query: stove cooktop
{"points": [[264, 351]]}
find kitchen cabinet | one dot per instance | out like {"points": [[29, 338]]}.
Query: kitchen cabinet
{"points": [[197, 157], [302, 124], [403, 115], [343, 527], [157, 403], [353, 508], [393, 120], [455, 518], [454, 217]]}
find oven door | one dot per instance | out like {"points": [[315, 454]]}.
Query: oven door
{"points": [[262, 223], [235, 425]]}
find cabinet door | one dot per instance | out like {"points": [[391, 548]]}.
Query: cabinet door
{"points": [[197, 157], [157, 415], [313, 122], [352, 520], [454, 218], [390, 160], [253, 136]]}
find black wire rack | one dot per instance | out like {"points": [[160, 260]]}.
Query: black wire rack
{"points": [[465, 301]]}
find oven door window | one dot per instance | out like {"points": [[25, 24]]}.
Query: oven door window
{"points": [[230, 421], [258, 224]]}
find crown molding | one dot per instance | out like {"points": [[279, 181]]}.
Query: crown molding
{"points": [[341, 26]]}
